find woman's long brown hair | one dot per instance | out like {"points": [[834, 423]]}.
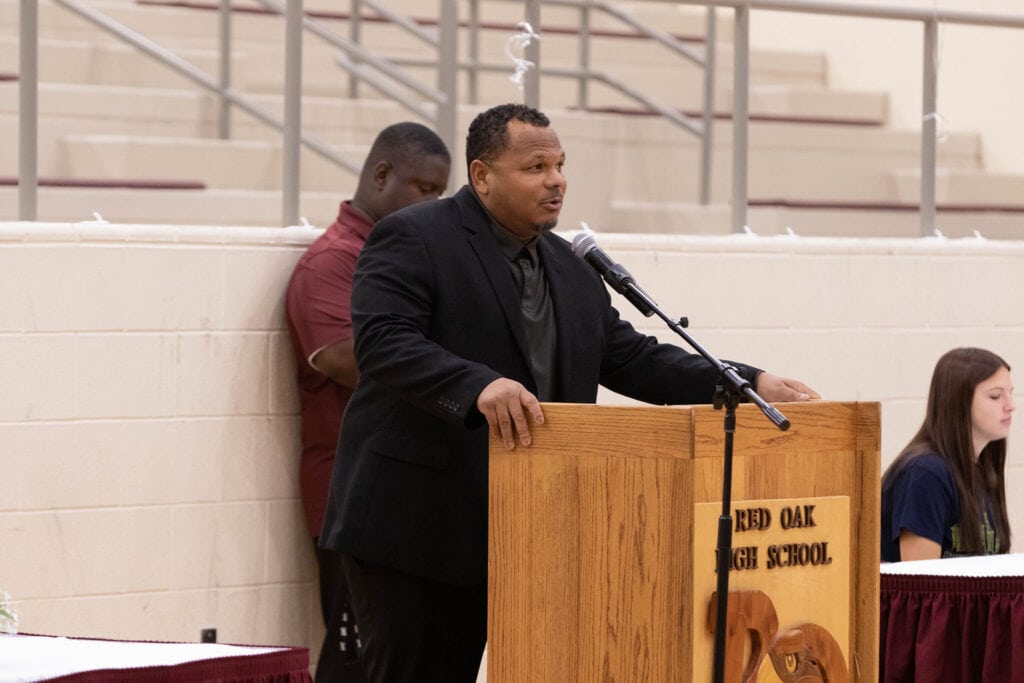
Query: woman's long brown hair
{"points": [[946, 431]]}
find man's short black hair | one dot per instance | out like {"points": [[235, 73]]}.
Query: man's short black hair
{"points": [[400, 141], [488, 134]]}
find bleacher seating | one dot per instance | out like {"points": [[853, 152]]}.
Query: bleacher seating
{"points": [[822, 160]]}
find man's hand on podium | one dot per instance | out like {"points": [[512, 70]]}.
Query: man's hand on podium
{"points": [[775, 389], [506, 404]]}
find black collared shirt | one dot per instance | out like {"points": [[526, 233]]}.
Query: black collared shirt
{"points": [[535, 301]]}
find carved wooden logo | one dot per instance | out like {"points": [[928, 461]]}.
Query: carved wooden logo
{"points": [[805, 653]]}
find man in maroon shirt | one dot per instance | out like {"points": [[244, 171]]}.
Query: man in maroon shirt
{"points": [[408, 163]]}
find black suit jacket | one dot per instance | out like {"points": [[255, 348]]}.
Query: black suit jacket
{"points": [[437, 318]]}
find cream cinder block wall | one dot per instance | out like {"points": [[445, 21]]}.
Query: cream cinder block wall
{"points": [[856, 319], [148, 418], [149, 434], [978, 77]]}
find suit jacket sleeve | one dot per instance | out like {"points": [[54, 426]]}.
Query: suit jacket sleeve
{"points": [[638, 366], [393, 314], [596, 346]]}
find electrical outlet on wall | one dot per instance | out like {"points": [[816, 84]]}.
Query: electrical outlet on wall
{"points": [[208, 635]]}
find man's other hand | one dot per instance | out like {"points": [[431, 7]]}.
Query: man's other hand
{"points": [[506, 404], [775, 389]]}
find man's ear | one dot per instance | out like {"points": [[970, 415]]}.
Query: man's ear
{"points": [[478, 176], [380, 174]]}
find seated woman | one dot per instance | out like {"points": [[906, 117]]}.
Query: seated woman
{"points": [[944, 495]]}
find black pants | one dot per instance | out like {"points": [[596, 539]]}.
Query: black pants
{"points": [[339, 655], [414, 629]]}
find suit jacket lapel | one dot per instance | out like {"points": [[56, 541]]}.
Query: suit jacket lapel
{"points": [[476, 224]]}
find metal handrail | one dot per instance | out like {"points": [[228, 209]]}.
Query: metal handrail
{"points": [[868, 11], [168, 58], [28, 164], [381, 73], [381, 64], [224, 31], [702, 128], [664, 39], [930, 18], [362, 64], [289, 125], [28, 110], [427, 36], [675, 116]]}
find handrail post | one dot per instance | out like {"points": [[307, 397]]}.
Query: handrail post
{"points": [[928, 126], [292, 144], [474, 51], [583, 94], [355, 29], [28, 112], [532, 53], [707, 138], [740, 80], [224, 115], [447, 72]]}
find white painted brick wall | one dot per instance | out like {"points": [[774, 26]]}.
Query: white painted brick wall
{"points": [[148, 426], [857, 319], [149, 433]]}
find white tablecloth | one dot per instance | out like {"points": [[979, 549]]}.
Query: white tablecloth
{"points": [[981, 566], [25, 658]]}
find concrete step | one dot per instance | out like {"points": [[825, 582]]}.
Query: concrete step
{"points": [[221, 164], [179, 25], [78, 52], [196, 22], [78, 61], [833, 163], [658, 162], [258, 45], [259, 67], [667, 17], [963, 187], [86, 109], [171, 207], [107, 132], [82, 110], [257, 63], [781, 103], [823, 220], [811, 104], [149, 112], [663, 78], [670, 83], [176, 112], [250, 208]]}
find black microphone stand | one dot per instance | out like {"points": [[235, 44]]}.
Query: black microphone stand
{"points": [[727, 395]]}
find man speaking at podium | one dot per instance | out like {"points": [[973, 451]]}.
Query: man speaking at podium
{"points": [[468, 313]]}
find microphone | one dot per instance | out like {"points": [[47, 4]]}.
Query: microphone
{"points": [[618, 278]]}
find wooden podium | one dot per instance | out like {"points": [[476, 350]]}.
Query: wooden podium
{"points": [[601, 561]]}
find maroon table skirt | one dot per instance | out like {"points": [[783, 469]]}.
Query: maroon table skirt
{"points": [[951, 628]]}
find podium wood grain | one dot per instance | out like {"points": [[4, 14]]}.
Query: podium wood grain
{"points": [[591, 531]]}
